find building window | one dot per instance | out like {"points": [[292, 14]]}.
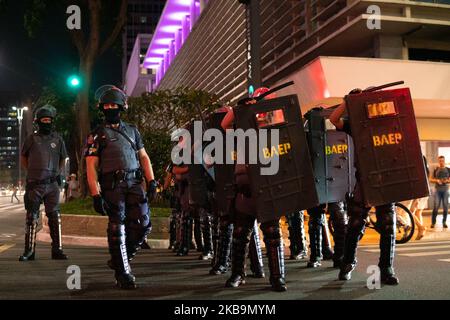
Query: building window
{"points": [[143, 20]]}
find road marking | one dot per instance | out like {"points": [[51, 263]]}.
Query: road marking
{"points": [[425, 254], [5, 247], [408, 244], [7, 235], [444, 260], [400, 249]]}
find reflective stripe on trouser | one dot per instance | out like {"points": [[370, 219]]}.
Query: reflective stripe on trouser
{"points": [[297, 236], [255, 252]]}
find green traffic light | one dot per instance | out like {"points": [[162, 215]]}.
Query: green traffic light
{"points": [[74, 81]]}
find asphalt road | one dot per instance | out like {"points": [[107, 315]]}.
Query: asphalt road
{"points": [[423, 268]]}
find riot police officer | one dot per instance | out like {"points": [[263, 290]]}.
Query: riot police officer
{"points": [[43, 156], [318, 233], [358, 213], [296, 227], [169, 191], [244, 220], [116, 159]]}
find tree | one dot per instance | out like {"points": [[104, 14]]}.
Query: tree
{"points": [[57, 95], [158, 113], [105, 20]]}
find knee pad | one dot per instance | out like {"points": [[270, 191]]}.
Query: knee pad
{"points": [[358, 219], [386, 219], [339, 217], [271, 231], [32, 217], [116, 233]]}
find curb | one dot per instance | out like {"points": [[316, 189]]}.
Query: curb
{"points": [[101, 242]]}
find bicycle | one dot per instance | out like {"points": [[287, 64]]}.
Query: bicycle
{"points": [[405, 224]]}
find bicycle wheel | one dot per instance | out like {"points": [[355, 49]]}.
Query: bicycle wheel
{"points": [[405, 224]]}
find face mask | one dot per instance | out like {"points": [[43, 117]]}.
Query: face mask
{"points": [[45, 128], [112, 115]]}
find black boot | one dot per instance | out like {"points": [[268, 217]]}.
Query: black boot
{"points": [[172, 232], [239, 252], [327, 251], [297, 247], [206, 227], [223, 250], [54, 224], [346, 271], [187, 237], [387, 249], [30, 243], [119, 258], [339, 220], [215, 238], [198, 235], [255, 254], [275, 254], [136, 237], [315, 239]]}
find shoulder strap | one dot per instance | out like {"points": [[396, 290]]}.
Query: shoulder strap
{"points": [[125, 135]]}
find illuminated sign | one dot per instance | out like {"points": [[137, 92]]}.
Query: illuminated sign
{"points": [[381, 109], [270, 118]]}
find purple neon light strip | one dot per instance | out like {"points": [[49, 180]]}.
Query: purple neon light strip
{"points": [[173, 27]]}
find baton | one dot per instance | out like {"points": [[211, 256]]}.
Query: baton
{"points": [[387, 85], [278, 88]]}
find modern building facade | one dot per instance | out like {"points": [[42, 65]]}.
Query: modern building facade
{"points": [[327, 46], [139, 79], [9, 137], [142, 18]]}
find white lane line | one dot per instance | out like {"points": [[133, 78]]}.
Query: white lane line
{"points": [[408, 244], [400, 249], [444, 260], [425, 254]]}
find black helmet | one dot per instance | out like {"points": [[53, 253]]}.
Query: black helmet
{"points": [[355, 91], [111, 94], [45, 111]]}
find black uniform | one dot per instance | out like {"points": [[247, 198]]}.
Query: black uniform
{"points": [[186, 220], [44, 153], [120, 180], [297, 236], [386, 220], [318, 233], [244, 221]]}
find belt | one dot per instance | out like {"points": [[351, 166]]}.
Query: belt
{"points": [[123, 175], [39, 182]]}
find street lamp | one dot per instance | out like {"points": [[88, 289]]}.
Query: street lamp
{"points": [[20, 112]]}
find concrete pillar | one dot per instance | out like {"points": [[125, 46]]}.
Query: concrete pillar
{"points": [[192, 15], [389, 47], [203, 4]]}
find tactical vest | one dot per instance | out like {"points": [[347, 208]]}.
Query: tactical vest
{"points": [[117, 152], [44, 156]]}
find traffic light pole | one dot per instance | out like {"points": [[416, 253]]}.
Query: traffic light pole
{"points": [[253, 34]]}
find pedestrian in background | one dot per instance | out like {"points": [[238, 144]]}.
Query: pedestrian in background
{"points": [[14, 194], [73, 189], [441, 178]]}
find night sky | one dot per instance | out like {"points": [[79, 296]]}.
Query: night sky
{"points": [[27, 64]]}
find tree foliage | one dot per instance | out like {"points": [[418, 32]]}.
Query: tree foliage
{"points": [[157, 114]]}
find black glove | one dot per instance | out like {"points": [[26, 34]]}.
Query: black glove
{"points": [[99, 205], [151, 190]]}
